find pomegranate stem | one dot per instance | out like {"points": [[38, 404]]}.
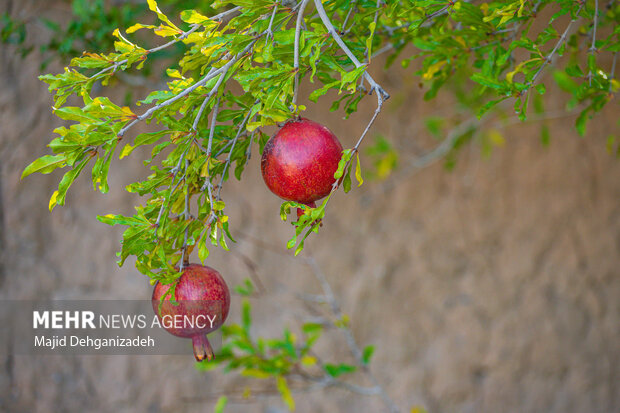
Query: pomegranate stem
{"points": [[202, 348]]}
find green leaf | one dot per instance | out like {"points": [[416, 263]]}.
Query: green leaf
{"points": [[218, 205], [221, 404], [259, 374], [68, 179], [346, 156], [581, 121], [346, 182], [45, 165], [246, 289], [323, 90], [193, 17], [74, 113], [367, 354], [372, 27], [285, 392], [564, 81], [487, 81], [246, 316], [203, 250], [336, 370], [349, 79]]}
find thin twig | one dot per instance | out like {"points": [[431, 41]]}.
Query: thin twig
{"points": [[185, 256], [273, 15], [354, 348], [208, 185], [376, 18], [553, 51], [216, 109], [228, 159], [440, 12], [374, 86], [355, 149], [207, 99], [188, 90], [300, 18], [440, 151], [225, 13], [182, 36], [116, 65], [173, 99], [346, 19], [593, 47], [172, 187], [248, 153]]}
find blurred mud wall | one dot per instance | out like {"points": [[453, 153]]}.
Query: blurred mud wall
{"points": [[491, 288]]}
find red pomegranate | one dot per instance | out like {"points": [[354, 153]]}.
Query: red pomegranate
{"points": [[299, 161], [204, 301]]}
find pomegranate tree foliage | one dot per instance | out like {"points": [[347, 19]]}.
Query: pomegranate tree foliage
{"points": [[239, 74]]}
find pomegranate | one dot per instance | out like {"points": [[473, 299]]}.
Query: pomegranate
{"points": [[204, 301], [299, 161]]}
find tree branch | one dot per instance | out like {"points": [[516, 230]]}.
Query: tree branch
{"points": [[224, 69], [182, 36], [207, 99], [234, 142], [184, 255], [374, 86], [354, 348], [248, 153], [346, 19], [300, 18], [273, 15], [593, 47], [553, 51], [172, 187]]}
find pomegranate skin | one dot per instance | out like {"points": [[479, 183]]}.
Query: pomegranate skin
{"points": [[299, 161], [200, 291]]}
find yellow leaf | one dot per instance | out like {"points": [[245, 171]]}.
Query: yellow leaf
{"points": [[496, 138], [259, 374], [461, 41], [519, 68], [286, 393], [208, 51], [432, 69], [247, 393], [137, 27], [153, 7], [126, 151], [358, 171], [166, 31], [52, 203], [308, 360], [204, 170]]}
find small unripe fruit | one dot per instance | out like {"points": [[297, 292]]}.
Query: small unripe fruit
{"points": [[299, 161], [202, 294]]}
